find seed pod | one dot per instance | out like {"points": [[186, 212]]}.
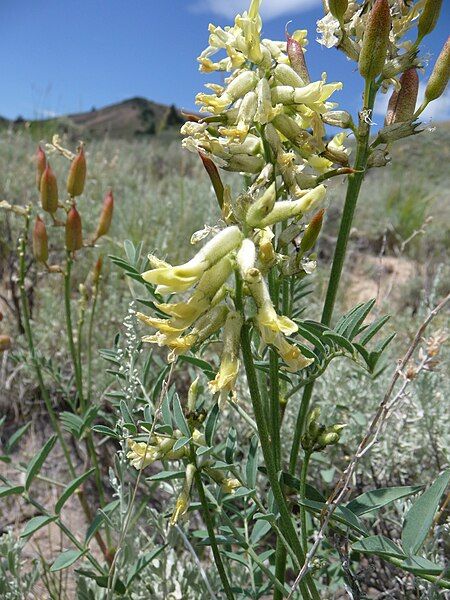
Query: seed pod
{"points": [[49, 190], [429, 17], [402, 104], [105, 216], [74, 236], [297, 58], [5, 343], [338, 8], [40, 241], [77, 174], [439, 77], [375, 40], [41, 163], [312, 232]]}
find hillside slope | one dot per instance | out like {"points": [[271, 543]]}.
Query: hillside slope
{"points": [[130, 119]]}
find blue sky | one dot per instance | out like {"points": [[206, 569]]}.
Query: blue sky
{"points": [[62, 56]]}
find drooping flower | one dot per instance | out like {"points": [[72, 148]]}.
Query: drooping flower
{"points": [[177, 279], [225, 379]]}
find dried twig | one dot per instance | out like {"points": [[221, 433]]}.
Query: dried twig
{"points": [[385, 407]]}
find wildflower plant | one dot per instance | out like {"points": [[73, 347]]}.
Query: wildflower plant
{"points": [[268, 121], [53, 238], [239, 343]]}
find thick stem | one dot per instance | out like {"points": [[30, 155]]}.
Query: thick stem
{"points": [[212, 537], [275, 417], [354, 186], [286, 524]]}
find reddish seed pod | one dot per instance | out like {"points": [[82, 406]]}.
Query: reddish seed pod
{"points": [[375, 41], [77, 174], [297, 58], [402, 104], [49, 190], [105, 216], [40, 241], [74, 235], [312, 232], [41, 163]]}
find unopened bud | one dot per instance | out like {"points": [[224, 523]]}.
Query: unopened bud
{"points": [[297, 58], [328, 439], [338, 8], [77, 174], [5, 343], [40, 241], [49, 190], [375, 40], [216, 181], [74, 236], [229, 485], [338, 118], [97, 271], [262, 207], [105, 216], [193, 394], [312, 422], [41, 163], [429, 17], [402, 104], [439, 77], [312, 232]]}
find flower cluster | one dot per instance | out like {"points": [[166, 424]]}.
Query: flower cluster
{"points": [[267, 122], [346, 22]]}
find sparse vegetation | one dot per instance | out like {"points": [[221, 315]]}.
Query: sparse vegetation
{"points": [[214, 466]]}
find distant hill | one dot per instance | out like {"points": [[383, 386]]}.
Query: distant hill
{"points": [[129, 119]]}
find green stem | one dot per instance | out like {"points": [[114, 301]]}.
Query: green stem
{"points": [[304, 473], [29, 335], [212, 537], [286, 524], [89, 347], [72, 349], [275, 417], [354, 186], [75, 353]]}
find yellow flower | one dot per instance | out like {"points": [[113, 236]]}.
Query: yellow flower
{"points": [[141, 454], [182, 277], [229, 485], [225, 379], [290, 354], [182, 503], [177, 344], [185, 313], [272, 326], [287, 209]]}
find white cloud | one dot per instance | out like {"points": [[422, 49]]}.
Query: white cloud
{"points": [[438, 110], [270, 9]]}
